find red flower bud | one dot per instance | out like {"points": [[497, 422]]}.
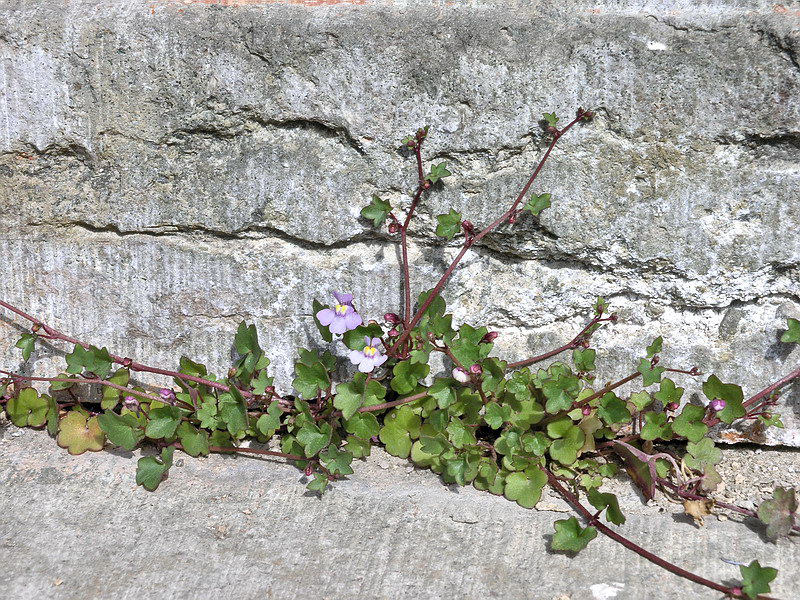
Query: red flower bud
{"points": [[552, 130], [393, 332], [392, 318], [394, 227], [672, 406], [476, 369], [309, 471], [587, 410], [489, 337], [468, 226]]}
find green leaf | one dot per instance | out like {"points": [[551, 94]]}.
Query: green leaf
{"points": [[536, 204], [347, 399], [77, 433], [496, 415], [121, 430], [337, 461], [584, 359], [354, 339], [396, 439], [111, 395], [655, 347], [233, 410], [52, 415], [449, 224], [319, 483], [438, 172], [270, 422], [732, 394], [792, 333], [459, 434], [525, 487], [364, 425], [778, 513], [570, 537], [756, 579], [94, 360], [668, 393], [551, 119], [650, 374], [208, 413], [28, 408], [609, 502], [246, 339], [163, 422], [151, 471], [376, 211], [702, 453], [565, 449], [310, 379], [189, 367], [657, 427], [442, 390], [407, 376], [357, 447], [194, 442], [561, 392], [641, 400], [314, 438], [689, 423], [261, 383], [613, 410], [26, 343], [317, 306]]}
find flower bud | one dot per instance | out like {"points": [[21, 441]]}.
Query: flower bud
{"points": [[551, 130], [127, 362], [309, 471], [232, 372], [489, 337], [36, 327], [672, 406], [167, 394], [426, 185], [393, 332], [586, 411], [476, 369], [613, 318], [131, 403], [468, 226], [392, 318], [512, 218], [460, 375], [694, 371], [394, 227], [718, 404]]}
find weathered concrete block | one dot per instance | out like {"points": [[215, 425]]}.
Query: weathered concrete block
{"points": [[169, 168]]}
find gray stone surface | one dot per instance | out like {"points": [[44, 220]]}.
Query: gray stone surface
{"points": [[168, 168], [78, 528]]}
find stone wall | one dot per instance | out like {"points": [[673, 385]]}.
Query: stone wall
{"points": [[168, 168]]}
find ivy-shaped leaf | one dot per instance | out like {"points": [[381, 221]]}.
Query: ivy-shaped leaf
{"points": [[376, 211], [601, 500], [778, 513], [713, 388], [438, 172], [525, 488], [702, 453], [689, 423], [111, 395], [561, 392], [571, 537], [364, 425], [448, 225], [77, 433], [792, 333], [407, 376], [613, 410], [337, 461], [756, 579], [584, 359], [93, 360], [669, 393], [655, 347], [26, 343], [656, 427], [28, 408], [537, 203], [122, 430], [151, 471], [163, 422], [650, 374], [194, 441]]}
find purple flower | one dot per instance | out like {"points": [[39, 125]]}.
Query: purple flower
{"points": [[370, 357], [167, 395], [132, 404], [342, 317], [718, 404]]}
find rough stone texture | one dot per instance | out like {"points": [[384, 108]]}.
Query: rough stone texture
{"points": [[247, 528], [168, 168]]}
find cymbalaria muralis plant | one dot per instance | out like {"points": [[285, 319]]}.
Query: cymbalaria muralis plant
{"points": [[510, 428]]}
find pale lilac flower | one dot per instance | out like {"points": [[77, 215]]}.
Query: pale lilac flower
{"points": [[167, 395], [718, 404], [476, 369], [370, 357], [342, 317], [460, 375], [132, 404]]}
